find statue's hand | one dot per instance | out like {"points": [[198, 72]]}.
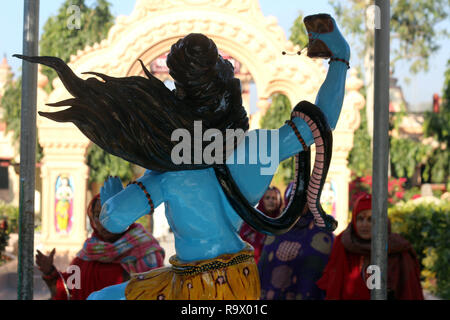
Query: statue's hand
{"points": [[335, 41], [111, 187]]}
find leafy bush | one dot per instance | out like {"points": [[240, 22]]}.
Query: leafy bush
{"points": [[427, 227], [437, 125], [396, 191], [11, 213], [4, 237], [406, 154], [103, 164], [360, 157]]}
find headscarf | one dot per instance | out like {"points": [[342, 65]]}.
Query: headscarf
{"points": [[255, 238], [90, 214], [261, 207], [131, 250], [104, 263], [345, 278]]}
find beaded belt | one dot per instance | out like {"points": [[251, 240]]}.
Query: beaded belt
{"points": [[213, 265]]}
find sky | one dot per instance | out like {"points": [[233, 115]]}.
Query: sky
{"points": [[419, 89]]}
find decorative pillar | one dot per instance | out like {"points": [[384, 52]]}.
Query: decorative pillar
{"points": [[64, 183], [64, 176], [339, 174]]}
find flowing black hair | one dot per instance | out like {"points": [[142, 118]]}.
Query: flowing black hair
{"points": [[134, 117]]}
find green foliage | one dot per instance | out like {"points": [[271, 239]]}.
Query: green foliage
{"points": [[299, 35], [11, 213], [61, 41], [102, 165], [278, 112], [360, 157], [4, 238], [437, 125], [427, 227], [410, 193], [414, 28], [438, 168], [11, 104], [406, 154]]}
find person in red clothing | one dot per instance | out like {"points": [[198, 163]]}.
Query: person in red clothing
{"points": [[270, 204], [106, 259], [345, 276]]}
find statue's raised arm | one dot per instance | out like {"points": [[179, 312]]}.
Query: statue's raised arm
{"points": [[309, 124]]}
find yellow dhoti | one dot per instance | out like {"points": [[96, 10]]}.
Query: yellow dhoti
{"points": [[227, 277]]}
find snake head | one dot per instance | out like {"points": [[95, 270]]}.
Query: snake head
{"points": [[330, 223]]}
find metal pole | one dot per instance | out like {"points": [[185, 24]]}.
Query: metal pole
{"points": [[381, 149], [28, 151]]}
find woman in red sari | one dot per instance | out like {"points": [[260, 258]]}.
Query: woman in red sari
{"points": [[270, 204], [345, 276], [106, 259]]}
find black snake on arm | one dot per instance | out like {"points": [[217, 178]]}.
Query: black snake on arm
{"points": [[307, 187]]}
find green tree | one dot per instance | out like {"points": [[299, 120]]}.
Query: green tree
{"points": [[360, 157], [58, 39], [415, 30], [10, 103], [437, 125], [299, 35], [61, 40], [280, 108], [278, 112], [103, 164], [406, 156]]}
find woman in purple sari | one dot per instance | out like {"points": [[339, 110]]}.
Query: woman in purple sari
{"points": [[290, 264]]}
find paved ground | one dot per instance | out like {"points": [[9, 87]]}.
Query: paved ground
{"points": [[9, 280]]}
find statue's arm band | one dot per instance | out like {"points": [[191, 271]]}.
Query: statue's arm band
{"points": [[341, 60], [147, 195]]}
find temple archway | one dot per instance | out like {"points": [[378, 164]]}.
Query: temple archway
{"points": [[239, 29]]}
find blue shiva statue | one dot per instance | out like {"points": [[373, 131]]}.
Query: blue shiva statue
{"points": [[209, 186]]}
